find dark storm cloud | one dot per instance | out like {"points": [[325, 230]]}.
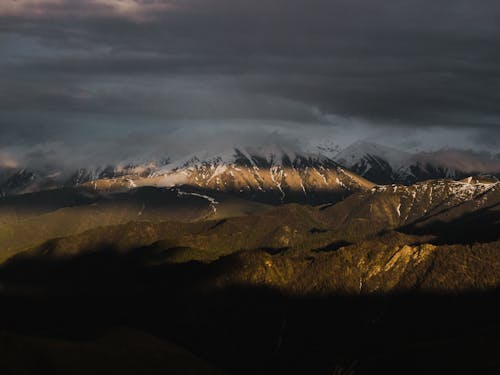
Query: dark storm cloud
{"points": [[396, 64]]}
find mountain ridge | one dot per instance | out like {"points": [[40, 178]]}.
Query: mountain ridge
{"points": [[283, 173]]}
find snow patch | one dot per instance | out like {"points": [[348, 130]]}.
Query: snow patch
{"points": [[219, 169], [211, 200]]}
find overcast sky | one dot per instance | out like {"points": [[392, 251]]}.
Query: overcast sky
{"points": [[113, 78]]}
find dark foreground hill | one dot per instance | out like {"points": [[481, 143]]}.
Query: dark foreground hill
{"points": [[250, 313], [391, 280], [123, 351]]}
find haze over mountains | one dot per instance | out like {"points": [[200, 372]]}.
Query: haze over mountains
{"points": [[386, 165], [253, 170]]}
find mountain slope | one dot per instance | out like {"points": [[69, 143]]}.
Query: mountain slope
{"points": [[267, 176], [394, 206], [26, 220]]}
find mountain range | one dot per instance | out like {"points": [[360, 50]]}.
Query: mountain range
{"points": [[253, 261], [271, 174]]}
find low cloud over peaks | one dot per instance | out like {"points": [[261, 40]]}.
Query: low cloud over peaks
{"points": [[406, 71]]}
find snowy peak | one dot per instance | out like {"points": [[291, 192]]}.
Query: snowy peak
{"points": [[375, 162], [20, 181], [360, 150], [386, 165], [260, 157], [327, 148]]}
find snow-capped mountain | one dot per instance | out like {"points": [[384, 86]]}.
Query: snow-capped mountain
{"points": [[25, 180], [266, 174], [137, 168], [386, 165], [376, 163], [271, 175]]}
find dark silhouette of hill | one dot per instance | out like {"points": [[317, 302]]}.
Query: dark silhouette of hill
{"points": [[239, 328], [477, 226], [118, 350]]}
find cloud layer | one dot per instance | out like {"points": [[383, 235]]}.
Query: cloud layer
{"points": [[405, 71]]}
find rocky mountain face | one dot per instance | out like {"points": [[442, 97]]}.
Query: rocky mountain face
{"points": [[269, 174], [392, 206], [137, 169], [279, 178], [22, 181], [18, 181], [270, 177]]}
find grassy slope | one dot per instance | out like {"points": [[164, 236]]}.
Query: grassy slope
{"points": [[22, 227]]}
